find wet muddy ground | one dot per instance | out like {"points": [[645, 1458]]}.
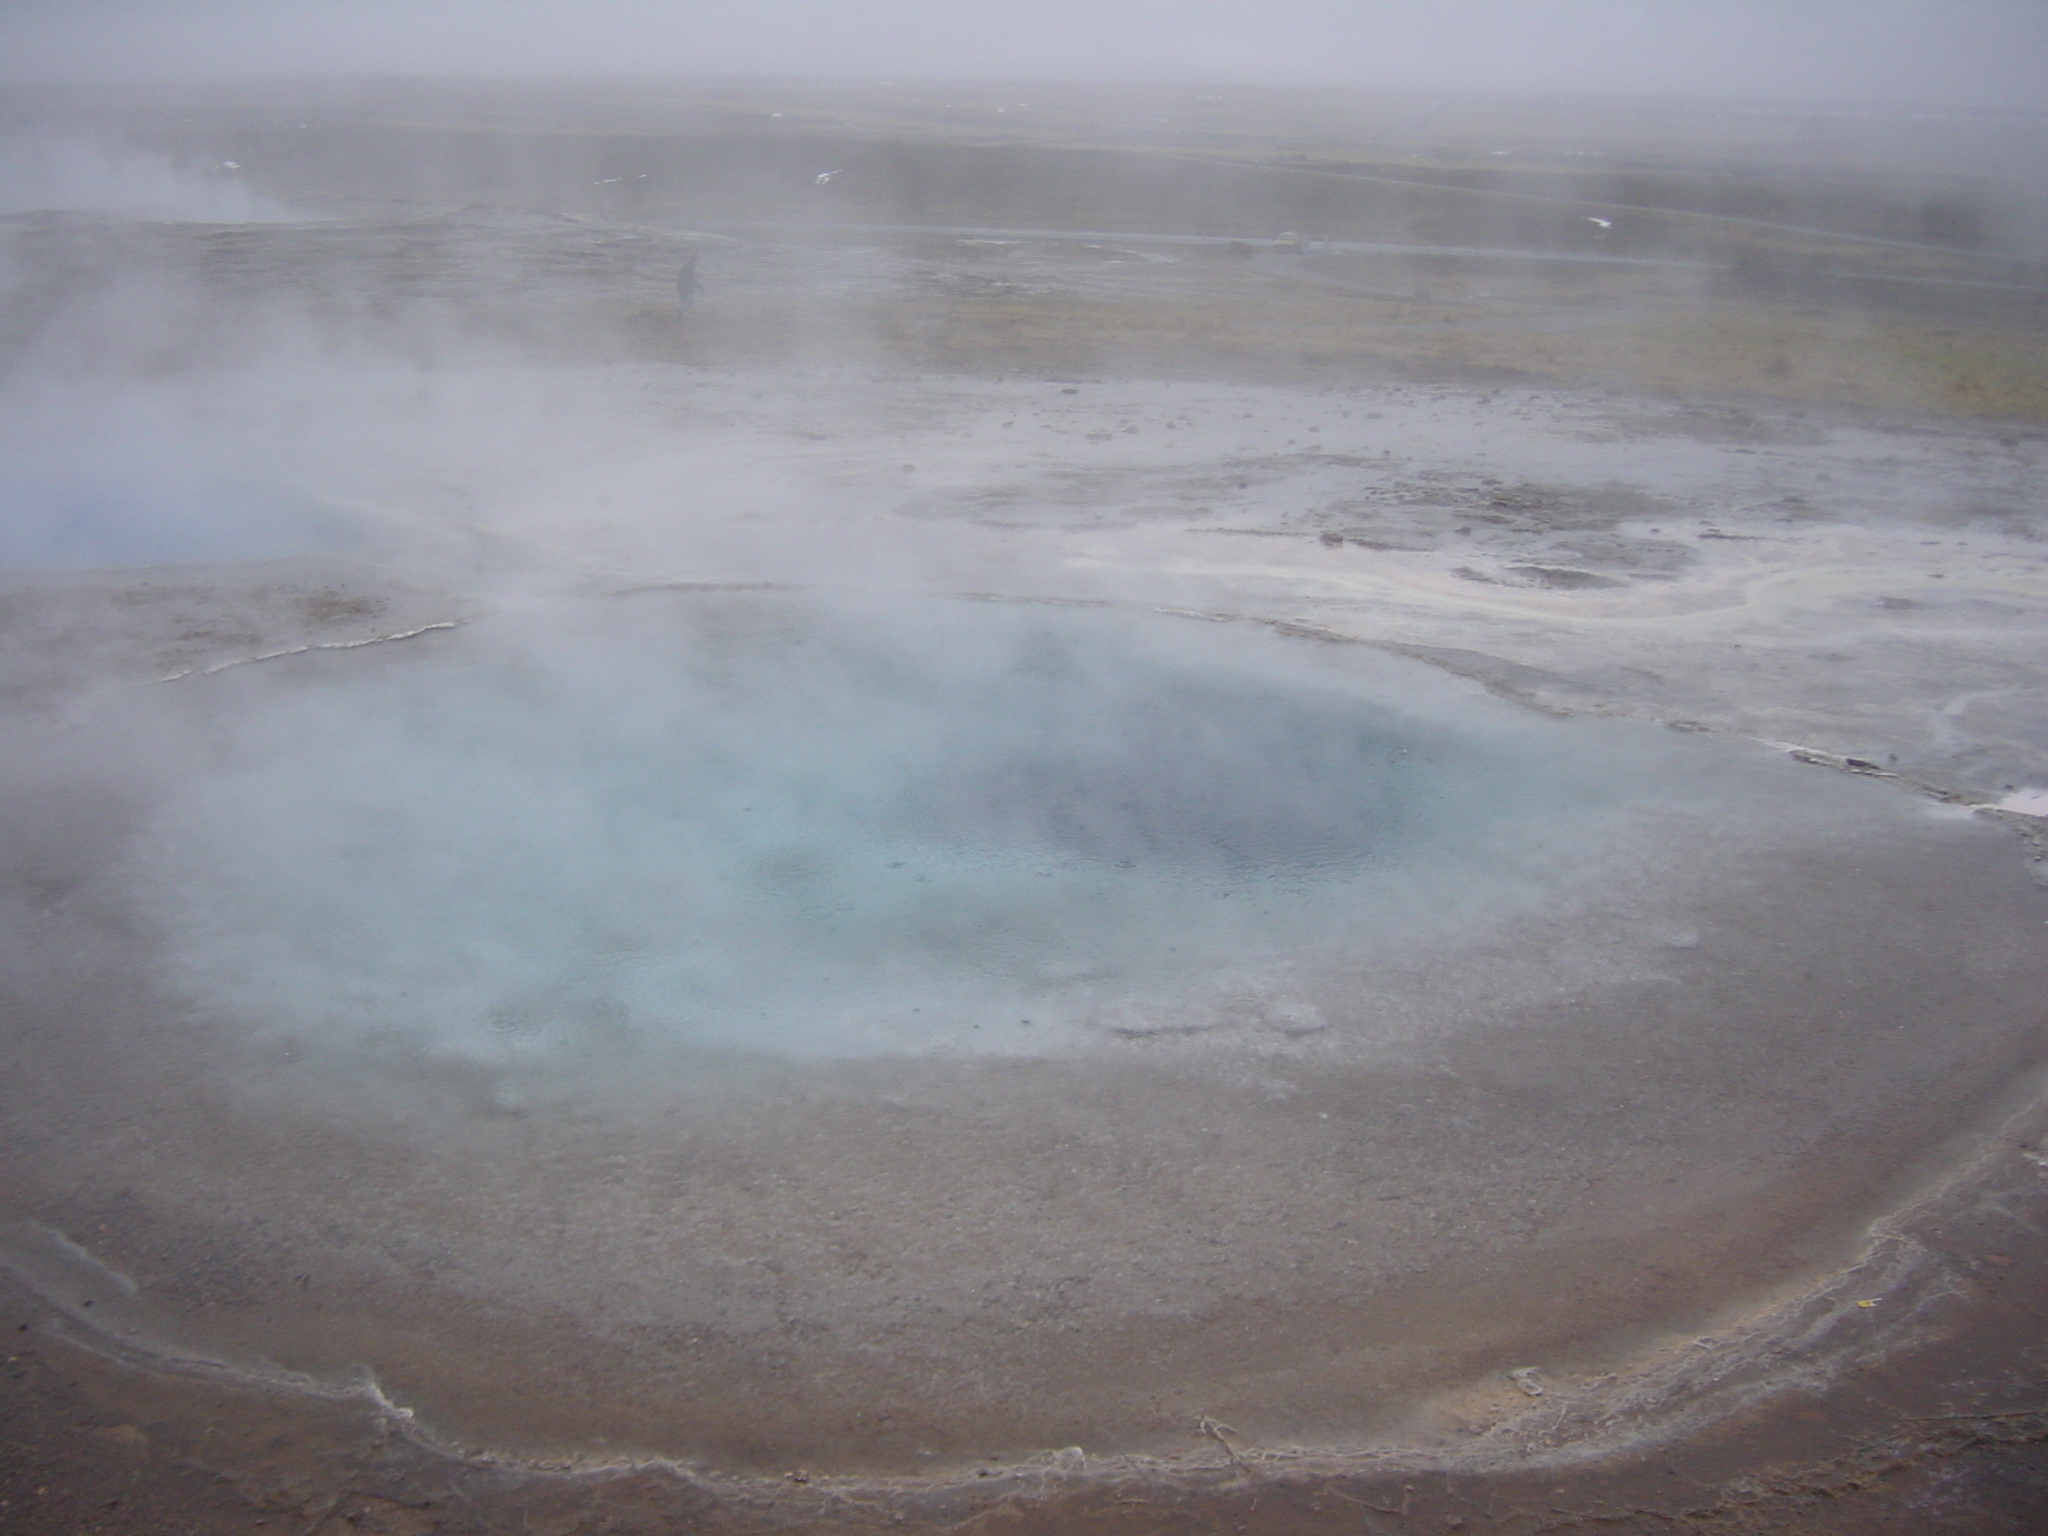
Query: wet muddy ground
{"points": [[1936, 1428]]}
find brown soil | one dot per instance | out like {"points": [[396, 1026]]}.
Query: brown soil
{"points": [[1946, 1433]]}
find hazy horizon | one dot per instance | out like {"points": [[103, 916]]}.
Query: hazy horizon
{"points": [[1954, 53]]}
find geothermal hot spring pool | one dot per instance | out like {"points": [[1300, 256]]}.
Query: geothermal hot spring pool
{"points": [[765, 1028], [829, 831]]}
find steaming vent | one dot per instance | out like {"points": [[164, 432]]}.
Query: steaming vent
{"points": [[763, 823]]}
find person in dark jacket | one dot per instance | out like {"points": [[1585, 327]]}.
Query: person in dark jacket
{"points": [[686, 282]]}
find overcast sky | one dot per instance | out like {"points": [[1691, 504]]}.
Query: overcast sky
{"points": [[1990, 52]]}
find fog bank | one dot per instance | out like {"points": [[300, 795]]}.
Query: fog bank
{"points": [[1964, 52]]}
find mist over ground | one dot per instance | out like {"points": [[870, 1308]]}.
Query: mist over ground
{"points": [[1974, 53], [864, 766]]}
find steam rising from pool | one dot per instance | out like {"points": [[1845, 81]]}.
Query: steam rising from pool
{"points": [[765, 823], [70, 518]]}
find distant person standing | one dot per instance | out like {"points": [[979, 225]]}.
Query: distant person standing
{"points": [[686, 282]]}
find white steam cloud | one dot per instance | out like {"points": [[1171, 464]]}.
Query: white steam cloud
{"points": [[61, 173]]}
